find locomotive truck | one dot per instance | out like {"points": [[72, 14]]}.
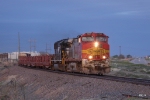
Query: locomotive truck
{"points": [[87, 53]]}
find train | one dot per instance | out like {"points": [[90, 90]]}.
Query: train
{"points": [[87, 53]]}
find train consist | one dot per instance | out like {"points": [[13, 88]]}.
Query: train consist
{"points": [[87, 53]]}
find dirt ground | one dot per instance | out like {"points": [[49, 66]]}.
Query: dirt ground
{"points": [[19, 83]]}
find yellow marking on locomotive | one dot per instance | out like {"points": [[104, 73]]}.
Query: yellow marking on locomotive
{"points": [[63, 57], [95, 51]]}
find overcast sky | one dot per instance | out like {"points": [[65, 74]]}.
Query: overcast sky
{"points": [[126, 22]]}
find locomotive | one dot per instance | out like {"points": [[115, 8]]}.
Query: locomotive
{"points": [[87, 53]]}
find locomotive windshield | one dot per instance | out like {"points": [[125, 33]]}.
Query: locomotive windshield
{"points": [[87, 39], [102, 39]]}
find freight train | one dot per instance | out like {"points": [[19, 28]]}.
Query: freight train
{"points": [[87, 53]]}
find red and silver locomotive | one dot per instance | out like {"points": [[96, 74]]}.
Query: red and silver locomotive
{"points": [[87, 53]]}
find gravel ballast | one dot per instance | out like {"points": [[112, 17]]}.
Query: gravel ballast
{"points": [[30, 84]]}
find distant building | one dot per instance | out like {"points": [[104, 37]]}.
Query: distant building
{"points": [[3, 56], [14, 55]]}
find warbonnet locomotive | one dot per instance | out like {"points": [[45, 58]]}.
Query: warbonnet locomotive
{"points": [[87, 53]]}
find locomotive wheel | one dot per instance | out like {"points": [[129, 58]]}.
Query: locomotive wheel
{"points": [[62, 67], [69, 68], [79, 68], [86, 70], [52, 68], [101, 72]]}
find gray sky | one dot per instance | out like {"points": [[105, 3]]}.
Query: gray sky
{"points": [[126, 22]]}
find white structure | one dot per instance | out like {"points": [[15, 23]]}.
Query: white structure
{"points": [[14, 55]]}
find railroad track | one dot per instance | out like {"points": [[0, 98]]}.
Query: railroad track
{"points": [[105, 77], [113, 78], [129, 80]]}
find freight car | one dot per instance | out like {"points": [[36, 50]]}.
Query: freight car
{"points": [[87, 53]]}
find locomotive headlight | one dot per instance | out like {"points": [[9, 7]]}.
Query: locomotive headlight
{"points": [[104, 57], [96, 44], [90, 57]]}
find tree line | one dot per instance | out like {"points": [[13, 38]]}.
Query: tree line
{"points": [[121, 56]]}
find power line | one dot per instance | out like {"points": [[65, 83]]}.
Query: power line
{"points": [[48, 48], [32, 45]]}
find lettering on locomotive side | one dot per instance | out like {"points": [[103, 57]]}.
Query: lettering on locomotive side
{"points": [[95, 51]]}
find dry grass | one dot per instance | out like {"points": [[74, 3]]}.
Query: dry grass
{"points": [[127, 69], [13, 90], [10, 87]]}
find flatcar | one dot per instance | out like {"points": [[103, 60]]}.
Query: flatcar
{"points": [[87, 53]]}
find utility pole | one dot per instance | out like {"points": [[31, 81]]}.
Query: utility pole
{"points": [[18, 45], [30, 45], [120, 49], [46, 48], [34, 41]]}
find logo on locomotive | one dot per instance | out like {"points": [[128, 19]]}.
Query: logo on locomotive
{"points": [[95, 51]]}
